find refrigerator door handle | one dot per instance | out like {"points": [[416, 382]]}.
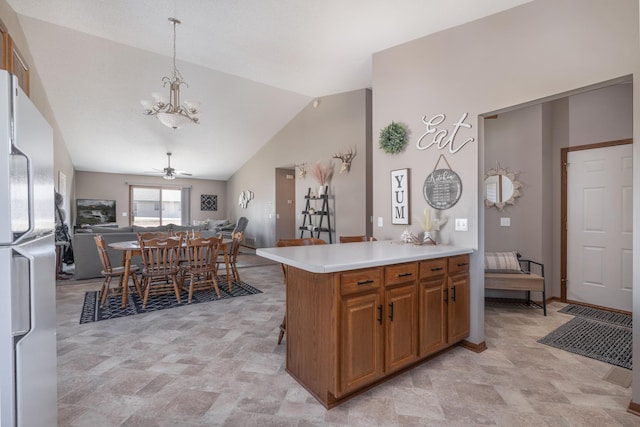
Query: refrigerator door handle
{"points": [[31, 215], [20, 294]]}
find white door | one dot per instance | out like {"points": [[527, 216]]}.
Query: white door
{"points": [[599, 226]]}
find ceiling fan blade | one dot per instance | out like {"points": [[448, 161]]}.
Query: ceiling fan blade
{"points": [[182, 173], [155, 172]]}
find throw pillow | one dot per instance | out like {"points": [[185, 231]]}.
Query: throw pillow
{"points": [[501, 262]]}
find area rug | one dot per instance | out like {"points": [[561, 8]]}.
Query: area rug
{"points": [[92, 312], [594, 338], [619, 319]]}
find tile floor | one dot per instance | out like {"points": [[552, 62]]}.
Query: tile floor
{"points": [[218, 364]]}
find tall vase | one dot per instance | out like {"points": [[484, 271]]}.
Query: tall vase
{"points": [[321, 190]]}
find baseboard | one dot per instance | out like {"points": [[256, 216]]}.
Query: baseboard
{"points": [[477, 348], [634, 408]]}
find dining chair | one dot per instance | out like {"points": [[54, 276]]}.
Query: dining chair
{"points": [[185, 234], [306, 241], [352, 239], [110, 272], [148, 235], [233, 249], [160, 259], [200, 265]]}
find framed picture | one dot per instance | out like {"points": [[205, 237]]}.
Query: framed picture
{"points": [[208, 202], [400, 196]]}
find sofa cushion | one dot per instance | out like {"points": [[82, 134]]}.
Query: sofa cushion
{"points": [[103, 230], [502, 262], [138, 229], [187, 228]]}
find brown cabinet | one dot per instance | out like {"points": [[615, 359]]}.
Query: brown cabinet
{"points": [[444, 303], [348, 330], [361, 357], [458, 299], [378, 323], [401, 334]]}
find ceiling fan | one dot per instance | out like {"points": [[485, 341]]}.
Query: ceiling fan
{"points": [[169, 172]]}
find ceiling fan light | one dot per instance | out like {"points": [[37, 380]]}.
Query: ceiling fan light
{"points": [[169, 176]]}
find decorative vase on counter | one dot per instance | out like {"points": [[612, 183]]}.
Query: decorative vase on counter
{"points": [[427, 239]]}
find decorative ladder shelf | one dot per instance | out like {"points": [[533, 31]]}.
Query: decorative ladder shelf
{"points": [[310, 212]]}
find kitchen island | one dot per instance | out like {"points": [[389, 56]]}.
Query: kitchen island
{"points": [[358, 313]]}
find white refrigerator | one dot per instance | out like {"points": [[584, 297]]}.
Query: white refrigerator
{"points": [[28, 381]]}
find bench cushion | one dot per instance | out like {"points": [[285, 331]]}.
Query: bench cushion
{"points": [[514, 281], [501, 262]]}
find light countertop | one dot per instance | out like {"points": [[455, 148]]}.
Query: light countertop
{"points": [[351, 256]]}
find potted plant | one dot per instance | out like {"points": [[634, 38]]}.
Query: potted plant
{"points": [[322, 172]]}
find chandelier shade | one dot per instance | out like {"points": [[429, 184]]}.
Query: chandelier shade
{"points": [[171, 112]]}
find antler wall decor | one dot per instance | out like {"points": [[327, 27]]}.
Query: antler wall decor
{"points": [[302, 170], [346, 159]]}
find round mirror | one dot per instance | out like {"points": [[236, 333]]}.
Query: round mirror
{"points": [[500, 188]]}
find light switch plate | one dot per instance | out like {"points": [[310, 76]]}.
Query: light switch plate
{"points": [[505, 222], [462, 224], [380, 222]]}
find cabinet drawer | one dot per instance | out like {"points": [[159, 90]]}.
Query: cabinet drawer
{"points": [[458, 264], [400, 273], [360, 280], [433, 267]]}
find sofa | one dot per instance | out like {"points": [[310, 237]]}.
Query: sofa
{"points": [[86, 260]]}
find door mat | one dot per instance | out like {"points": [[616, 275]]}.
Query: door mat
{"points": [[619, 319], [619, 376], [92, 312], [598, 340]]}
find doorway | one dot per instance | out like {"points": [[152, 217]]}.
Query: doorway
{"points": [[597, 217], [285, 203]]}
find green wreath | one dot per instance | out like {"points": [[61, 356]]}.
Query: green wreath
{"points": [[393, 138]]}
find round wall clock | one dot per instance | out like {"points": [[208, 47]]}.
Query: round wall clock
{"points": [[442, 188]]}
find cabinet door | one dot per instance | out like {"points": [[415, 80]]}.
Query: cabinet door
{"points": [[360, 341], [401, 327], [458, 307], [433, 312]]}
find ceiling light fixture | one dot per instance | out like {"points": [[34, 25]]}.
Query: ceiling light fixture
{"points": [[170, 112]]}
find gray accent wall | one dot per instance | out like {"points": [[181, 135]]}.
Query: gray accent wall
{"points": [[113, 186], [316, 133], [536, 52]]}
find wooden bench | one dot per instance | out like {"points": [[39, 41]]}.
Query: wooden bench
{"points": [[526, 281]]}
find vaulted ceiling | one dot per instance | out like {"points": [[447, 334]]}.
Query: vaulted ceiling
{"points": [[252, 65]]}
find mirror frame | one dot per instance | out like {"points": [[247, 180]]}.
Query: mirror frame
{"points": [[517, 185]]}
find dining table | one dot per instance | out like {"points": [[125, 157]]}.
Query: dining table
{"points": [[131, 248]]}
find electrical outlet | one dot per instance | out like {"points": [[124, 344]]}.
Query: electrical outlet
{"points": [[505, 222], [380, 222], [462, 224]]}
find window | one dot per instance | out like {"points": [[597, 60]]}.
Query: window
{"points": [[154, 206]]}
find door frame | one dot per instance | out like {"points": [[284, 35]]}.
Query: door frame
{"points": [[563, 204]]}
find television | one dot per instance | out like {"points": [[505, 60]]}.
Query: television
{"points": [[95, 212]]}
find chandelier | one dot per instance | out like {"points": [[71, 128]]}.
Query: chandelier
{"points": [[171, 112]]}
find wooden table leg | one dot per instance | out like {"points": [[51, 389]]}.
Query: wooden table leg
{"points": [[226, 264], [125, 279]]}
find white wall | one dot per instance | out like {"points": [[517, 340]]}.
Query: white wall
{"points": [[339, 122], [528, 53], [111, 186], [61, 158]]}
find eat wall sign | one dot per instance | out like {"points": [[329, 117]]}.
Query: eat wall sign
{"points": [[442, 138]]}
